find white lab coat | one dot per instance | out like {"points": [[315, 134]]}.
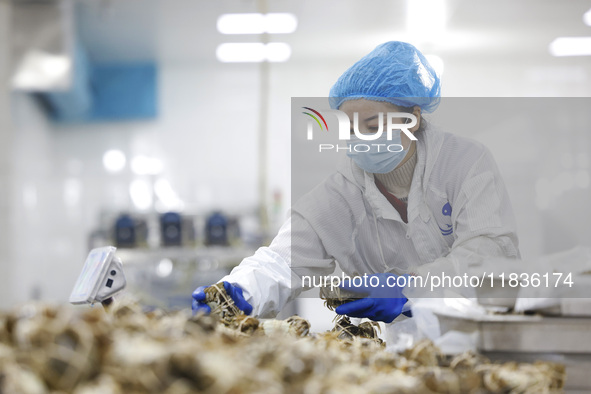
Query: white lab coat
{"points": [[347, 221]]}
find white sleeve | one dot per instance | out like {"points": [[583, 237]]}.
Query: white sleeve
{"points": [[272, 276], [483, 221]]}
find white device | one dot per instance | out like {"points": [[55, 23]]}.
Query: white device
{"points": [[101, 278]]}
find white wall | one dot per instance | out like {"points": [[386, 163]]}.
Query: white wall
{"points": [[205, 135], [5, 162]]}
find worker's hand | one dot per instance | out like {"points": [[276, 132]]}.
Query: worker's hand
{"points": [[384, 299], [235, 292]]}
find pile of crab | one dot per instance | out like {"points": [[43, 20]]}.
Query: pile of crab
{"points": [[46, 349]]}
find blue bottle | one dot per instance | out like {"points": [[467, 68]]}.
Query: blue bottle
{"points": [[216, 229], [171, 229], [125, 236]]}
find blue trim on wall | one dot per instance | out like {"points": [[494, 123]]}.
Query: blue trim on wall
{"points": [[122, 92], [106, 92]]}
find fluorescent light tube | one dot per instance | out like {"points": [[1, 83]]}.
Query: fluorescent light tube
{"points": [[570, 46], [426, 19], [253, 52], [273, 23], [587, 17]]}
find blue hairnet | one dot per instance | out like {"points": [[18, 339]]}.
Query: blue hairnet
{"points": [[395, 72]]}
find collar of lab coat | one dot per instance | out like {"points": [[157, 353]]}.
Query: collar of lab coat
{"points": [[429, 143]]}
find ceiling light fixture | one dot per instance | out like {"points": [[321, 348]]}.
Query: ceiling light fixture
{"points": [[253, 52], [426, 26], [587, 17], [273, 23], [570, 46]]}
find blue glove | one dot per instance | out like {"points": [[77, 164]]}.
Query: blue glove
{"points": [[235, 292], [383, 302]]}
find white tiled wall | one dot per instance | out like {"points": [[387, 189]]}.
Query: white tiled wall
{"points": [[205, 136], [5, 162]]}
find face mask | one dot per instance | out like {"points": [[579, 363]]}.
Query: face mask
{"points": [[377, 156]]}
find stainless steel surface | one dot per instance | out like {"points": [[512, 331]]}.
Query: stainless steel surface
{"points": [[575, 307], [204, 258], [569, 335], [42, 44], [520, 333], [497, 294]]}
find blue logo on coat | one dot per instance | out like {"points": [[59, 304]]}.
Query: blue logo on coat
{"points": [[448, 228]]}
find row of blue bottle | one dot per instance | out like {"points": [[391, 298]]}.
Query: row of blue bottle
{"points": [[130, 232]]}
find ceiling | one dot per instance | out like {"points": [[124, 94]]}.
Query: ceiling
{"points": [[185, 30]]}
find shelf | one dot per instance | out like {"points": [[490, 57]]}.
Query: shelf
{"points": [[207, 257]]}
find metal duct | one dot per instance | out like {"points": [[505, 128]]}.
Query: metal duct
{"points": [[42, 45]]}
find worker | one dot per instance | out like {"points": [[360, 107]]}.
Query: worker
{"points": [[382, 214]]}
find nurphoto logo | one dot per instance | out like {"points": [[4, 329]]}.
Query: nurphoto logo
{"points": [[347, 129]]}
